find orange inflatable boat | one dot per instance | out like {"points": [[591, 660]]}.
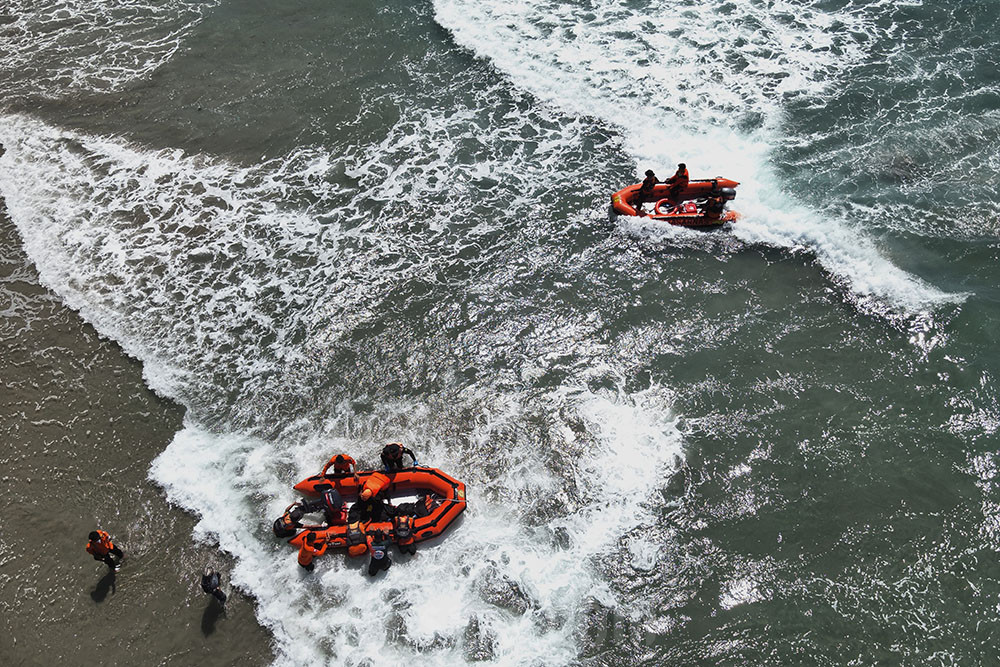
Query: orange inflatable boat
{"points": [[445, 501], [627, 201]]}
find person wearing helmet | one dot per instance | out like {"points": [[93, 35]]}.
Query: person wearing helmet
{"points": [[392, 456], [678, 183]]}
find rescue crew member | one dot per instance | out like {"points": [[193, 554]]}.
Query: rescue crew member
{"points": [[211, 582], [678, 182], [288, 523], [311, 547], [102, 548], [342, 464], [392, 456], [645, 192], [403, 527], [379, 551], [357, 540], [714, 207]]}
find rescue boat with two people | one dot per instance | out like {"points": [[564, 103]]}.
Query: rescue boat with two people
{"points": [[701, 204]]}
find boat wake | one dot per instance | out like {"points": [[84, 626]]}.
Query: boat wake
{"points": [[704, 83]]}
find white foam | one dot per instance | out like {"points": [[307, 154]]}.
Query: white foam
{"points": [[501, 565], [233, 295], [55, 46], [680, 79]]}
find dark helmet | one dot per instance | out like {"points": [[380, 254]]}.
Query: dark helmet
{"points": [[649, 172], [393, 450], [682, 166], [311, 538], [94, 535]]}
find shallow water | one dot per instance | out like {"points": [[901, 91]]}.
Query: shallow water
{"points": [[320, 229]]}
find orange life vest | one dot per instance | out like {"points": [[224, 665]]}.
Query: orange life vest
{"points": [[403, 527], [679, 180], [357, 542], [307, 552], [375, 483], [102, 547]]}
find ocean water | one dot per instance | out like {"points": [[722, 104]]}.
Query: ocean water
{"points": [[321, 227]]}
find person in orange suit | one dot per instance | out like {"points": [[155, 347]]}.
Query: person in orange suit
{"points": [[678, 182], [310, 549], [341, 464], [102, 548]]}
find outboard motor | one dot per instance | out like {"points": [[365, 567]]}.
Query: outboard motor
{"points": [[728, 194]]}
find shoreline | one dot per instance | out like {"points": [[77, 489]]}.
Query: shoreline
{"points": [[81, 429]]}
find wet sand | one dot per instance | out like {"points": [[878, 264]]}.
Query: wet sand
{"points": [[79, 430]]}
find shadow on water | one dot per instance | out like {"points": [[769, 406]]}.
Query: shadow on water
{"points": [[104, 586], [213, 612]]}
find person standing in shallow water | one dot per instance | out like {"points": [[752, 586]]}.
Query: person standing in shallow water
{"points": [[211, 583], [102, 548], [379, 551]]}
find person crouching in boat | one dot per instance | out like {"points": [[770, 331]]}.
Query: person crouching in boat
{"points": [[312, 547], [645, 192], [392, 456], [378, 548], [713, 208], [678, 182], [371, 505]]}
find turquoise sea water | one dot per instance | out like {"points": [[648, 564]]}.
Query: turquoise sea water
{"points": [[325, 226]]}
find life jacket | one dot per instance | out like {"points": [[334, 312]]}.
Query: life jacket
{"points": [[375, 483], [378, 551], [102, 547], [357, 542], [679, 180], [647, 185], [308, 552], [403, 526], [287, 523]]}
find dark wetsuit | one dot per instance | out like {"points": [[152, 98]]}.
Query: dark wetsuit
{"points": [[210, 584], [392, 457], [379, 557], [644, 192]]}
